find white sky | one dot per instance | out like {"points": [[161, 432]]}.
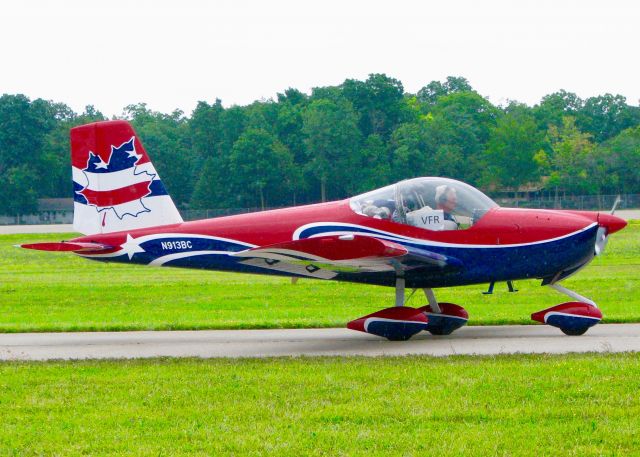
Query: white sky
{"points": [[170, 54]]}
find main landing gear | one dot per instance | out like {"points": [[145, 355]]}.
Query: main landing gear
{"points": [[400, 322], [574, 317]]}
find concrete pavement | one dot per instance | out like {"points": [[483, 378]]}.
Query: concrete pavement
{"points": [[23, 229], [481, 340]]}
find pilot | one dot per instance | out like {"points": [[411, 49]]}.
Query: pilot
{"points": [[447, 200]]}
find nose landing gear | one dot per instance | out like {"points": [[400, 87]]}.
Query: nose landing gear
{"points": [[572, 318]]}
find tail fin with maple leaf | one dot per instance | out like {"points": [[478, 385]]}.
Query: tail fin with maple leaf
{"points": [[115, 185]]}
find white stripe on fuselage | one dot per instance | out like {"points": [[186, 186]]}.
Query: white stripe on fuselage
{"points": [[401, 238], [376, 234], [183, 255]]}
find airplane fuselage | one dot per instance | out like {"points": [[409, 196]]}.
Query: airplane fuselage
{"points": [[506, 244]]}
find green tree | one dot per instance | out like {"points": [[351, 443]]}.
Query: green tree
{"points": [[411, 151], [332, 139], [24, 166], [205, 129], [375, 168], [260, 165], [289, 126], [617, 159], [430, 93], [23, 128], [19, 192], [510, 152], [459, 127], [165, 136], [57, 150], [379, 102], [606, 115], [569, 158], [555, 106], [211, 190], [214, 130]]}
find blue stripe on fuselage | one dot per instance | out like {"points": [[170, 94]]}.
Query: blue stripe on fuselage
{"points": [[480, 264]]}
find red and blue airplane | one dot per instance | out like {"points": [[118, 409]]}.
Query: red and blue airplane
{"points": [[422, 233]]}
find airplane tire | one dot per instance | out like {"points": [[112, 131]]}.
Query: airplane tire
{"points": [[574, 331], [399, 337]]}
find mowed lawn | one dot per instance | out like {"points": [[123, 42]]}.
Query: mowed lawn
{"points": [[42, 291], [506, 405]]}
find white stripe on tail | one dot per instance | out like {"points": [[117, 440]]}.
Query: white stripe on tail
{"points": [[116, 187]]}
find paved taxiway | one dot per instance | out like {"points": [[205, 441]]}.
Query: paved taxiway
{"points": [[486, 340]]}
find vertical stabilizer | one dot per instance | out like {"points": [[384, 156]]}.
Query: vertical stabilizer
{"points": [[116, 187]]}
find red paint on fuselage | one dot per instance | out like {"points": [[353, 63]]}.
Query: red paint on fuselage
{"points": [[499, 226]]}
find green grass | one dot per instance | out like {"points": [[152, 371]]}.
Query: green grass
{"points": [[42, 291], [507, 405]]}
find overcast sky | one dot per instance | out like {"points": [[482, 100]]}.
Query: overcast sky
{"points": [[170, 54]]}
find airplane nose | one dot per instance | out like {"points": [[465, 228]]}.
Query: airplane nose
{"points": [[611, 223]]}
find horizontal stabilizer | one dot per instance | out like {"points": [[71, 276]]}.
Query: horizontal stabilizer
{"points": [[66, 246]]}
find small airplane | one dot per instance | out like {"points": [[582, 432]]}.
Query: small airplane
{"points": [[421, 233]]}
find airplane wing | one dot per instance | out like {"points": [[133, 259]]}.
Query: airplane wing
{"points": [[325, 257]]}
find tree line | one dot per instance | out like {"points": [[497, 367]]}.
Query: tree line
{"points": [[339, 141]]}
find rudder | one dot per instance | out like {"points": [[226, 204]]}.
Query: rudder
{"points": [[116, 187]]}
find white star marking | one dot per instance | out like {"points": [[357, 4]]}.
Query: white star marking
{"points": [[101, 164], [130, 247], [133, 153]]}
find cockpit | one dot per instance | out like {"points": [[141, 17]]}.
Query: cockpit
{"points": [[428, 203]]}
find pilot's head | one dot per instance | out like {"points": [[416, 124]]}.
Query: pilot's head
{"points": [[446, 198]]}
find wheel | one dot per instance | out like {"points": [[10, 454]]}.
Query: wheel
{"points": [[574, 331], [440, 331], [399, 337]]}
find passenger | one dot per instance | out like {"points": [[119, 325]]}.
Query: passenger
{"points": [[378, 212], [410, 204], [447, 200]]}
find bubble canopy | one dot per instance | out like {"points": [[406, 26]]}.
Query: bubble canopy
{"points": [[431, 203]]}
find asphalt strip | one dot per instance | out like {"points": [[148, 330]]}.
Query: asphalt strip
{"points": [[479, 340]]}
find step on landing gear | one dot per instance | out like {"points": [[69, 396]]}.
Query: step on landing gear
{"points": [[572, 318], [399, 323]]}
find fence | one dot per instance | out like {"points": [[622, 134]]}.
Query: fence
{"points": [[195, 214], [579, 202], [66, 217]]}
